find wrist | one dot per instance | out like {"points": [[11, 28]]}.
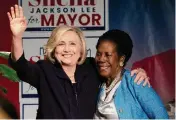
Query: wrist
{"points": [[16, 37]]}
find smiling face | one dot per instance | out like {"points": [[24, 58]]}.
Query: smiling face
{"points": [[68, 50], [107, 59]]}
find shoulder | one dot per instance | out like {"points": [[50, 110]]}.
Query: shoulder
{"points": [[89, 63], [89, 60], [140, 91], [127, 76], [129, 80], [44, 63]]}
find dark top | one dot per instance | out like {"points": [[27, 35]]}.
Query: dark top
{"points": [[58, 97]]}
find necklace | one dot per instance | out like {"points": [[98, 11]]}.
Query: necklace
{"points": [[114, 82]]}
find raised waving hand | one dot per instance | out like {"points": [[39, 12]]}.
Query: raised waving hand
{"points": [[18, 25], [17, 20]]}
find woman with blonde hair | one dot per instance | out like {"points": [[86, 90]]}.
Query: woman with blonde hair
{"points": [[67, 86]]}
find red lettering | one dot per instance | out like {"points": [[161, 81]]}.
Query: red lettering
{"points": [[89, 2], [37, 3], [45, 3], [96, 19], [92, 2], [61, 19], [72, 3], [44, 21], [79, 2], [81, 17], [72, 19], [59, 2]]}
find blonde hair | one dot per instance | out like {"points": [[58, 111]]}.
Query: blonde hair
{"points": [[57, 33]]}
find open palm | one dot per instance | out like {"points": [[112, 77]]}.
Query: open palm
{"points": [[18, 22], [18, 26]]}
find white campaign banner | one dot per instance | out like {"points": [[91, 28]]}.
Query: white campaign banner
{"points": [[29, 111], [45, 15]]}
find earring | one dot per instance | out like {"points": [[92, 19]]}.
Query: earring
{"points": [[121, 64]]}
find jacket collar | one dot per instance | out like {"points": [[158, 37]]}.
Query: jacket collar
{"points": [[81, 71]]}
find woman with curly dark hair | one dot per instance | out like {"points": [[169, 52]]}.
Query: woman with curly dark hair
{"points": [[119, 97]]}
